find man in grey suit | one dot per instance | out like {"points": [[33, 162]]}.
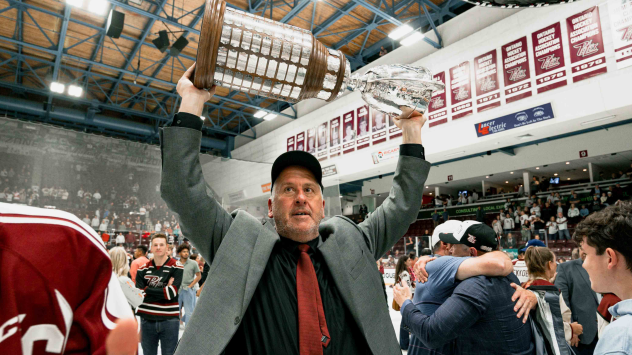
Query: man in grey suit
{"points": [[304, 287], [572, 279]]}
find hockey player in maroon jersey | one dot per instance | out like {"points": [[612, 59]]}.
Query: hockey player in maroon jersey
{"points": [[58, 294], [160, 278]]}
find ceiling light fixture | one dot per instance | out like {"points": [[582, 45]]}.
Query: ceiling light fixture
{"points": [[487, 177], [98, 7], [260, 114], [412, 39], [585, 169], [511, 172], [506, 182], [537, 168], [568, 162], [400, 32], [431, 193], [77, 3], [74, 90], [568, 178], [426, 186], [555, 174], [269, 117], [57, 87], [586, 123]]}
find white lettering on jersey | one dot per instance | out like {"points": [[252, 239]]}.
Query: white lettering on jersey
{"points": [[115, 303]]}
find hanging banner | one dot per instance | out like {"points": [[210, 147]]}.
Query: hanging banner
{"points": [[586, 44], [516, 70], [300, 141], [322, 141], [621, 25], [438, 108], [550, 70], [486, 81], [348, 133], [311, 140], [393, 130], [290, 144], [334, 137], [364, 138], [461, 90], [514, 120], [378, 127]]}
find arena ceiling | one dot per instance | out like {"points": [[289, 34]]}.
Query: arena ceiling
{"points": [[128, 85]]}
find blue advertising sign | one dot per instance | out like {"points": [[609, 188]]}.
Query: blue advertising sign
{"points": [[515, 120]]}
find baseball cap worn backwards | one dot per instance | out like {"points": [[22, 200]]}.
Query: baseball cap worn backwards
{"points": [[297, 158], [471, 233]]}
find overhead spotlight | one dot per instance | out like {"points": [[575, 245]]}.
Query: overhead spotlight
{"points": [[506, 182], [568, 178], [585, 169], [537, 168], [487, 177], [57, 87], [430, 193], [511, 172], [178, 46], [412, 39], [76, 3], [555, 174], [568, 162], [162, 41], [426, 186], [114, 24], [98, 7], [400, 32], [74, 90], [269, 117], [260, 114]]}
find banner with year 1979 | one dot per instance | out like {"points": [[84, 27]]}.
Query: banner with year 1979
{"points": [[438, 108], [621, 25]]}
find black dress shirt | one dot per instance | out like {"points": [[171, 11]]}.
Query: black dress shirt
{"points": [[270, 325]]}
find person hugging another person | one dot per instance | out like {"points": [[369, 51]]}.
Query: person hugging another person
{"points": [[403, 276]]}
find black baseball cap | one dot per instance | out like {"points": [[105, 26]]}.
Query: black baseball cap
{"points": [[297, 158], [470, 233]]}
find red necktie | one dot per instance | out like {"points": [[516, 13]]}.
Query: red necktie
{"points": [[312, 327]]}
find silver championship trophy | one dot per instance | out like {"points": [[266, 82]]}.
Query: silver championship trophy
{"points": [[259, 56]]}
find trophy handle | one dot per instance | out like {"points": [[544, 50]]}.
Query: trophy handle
{"points": [[206, 58]]}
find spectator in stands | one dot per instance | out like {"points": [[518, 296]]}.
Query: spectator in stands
{"points": [[551, 198], [120, 240], [190, 277], [461, 200], [120, 267], [448, 202], [573, 214], [573, 198], [596, 190], [383, 51], [507, 204], [584, 212], [480, 214], [474, 195], [508, 223], [606, 238], [438, 201], [562, 225], [409, 246], [402, 276], [86, 219], [470, 199], [553, 228], [510, 242], [525, 230], [95, 223], [535, 210], [445, 215], [97, 197], [560, 208], [610, 200], [541, 267], [529, 201], [603, 199], [497, 226], [548, 211], [539, 226], [596, 204], [575, 254]]}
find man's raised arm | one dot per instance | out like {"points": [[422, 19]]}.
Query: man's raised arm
{"points": [[495, 263], [182, 184], [391, 220]]}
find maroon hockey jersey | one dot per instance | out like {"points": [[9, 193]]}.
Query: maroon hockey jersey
{"points": [[161, 292], [57, 289]]}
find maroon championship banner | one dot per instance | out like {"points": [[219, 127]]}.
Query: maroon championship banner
{"points": [[378, 127], [363, 133], [290, 144], [438, 108], [321, 140], [300, 141], [311, 140], [586, 44], [516, 70], [621, 29], [461, 90], [348, 132], [548, 53], [486, 81], [393, 130], [334, 137]]}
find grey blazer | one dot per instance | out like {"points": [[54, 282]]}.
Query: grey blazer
{"points": [[576, 289], [238, 246]]}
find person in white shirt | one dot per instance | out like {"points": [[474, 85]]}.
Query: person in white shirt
{"points": [[550, 198], [560, 209], [552, 225], [158, 227], [573, 213], [523, 218], [508, 223], [470, 200], [438, 202], [95, 223], [104, 225], [142, 211], [474, 196], [120, 267], [4, 173], [529, 201], [120, 239], [536, 209], [80, 192], [97, 197], [507, 204], [449, 201], [562, 225]]}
